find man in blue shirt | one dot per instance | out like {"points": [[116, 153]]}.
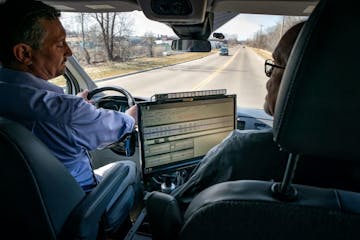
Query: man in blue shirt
{"points": [[33, 50]]}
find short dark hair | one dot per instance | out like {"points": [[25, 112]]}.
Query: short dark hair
{"points": [[21, 25]]}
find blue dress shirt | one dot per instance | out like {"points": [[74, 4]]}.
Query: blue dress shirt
{"points": [[67, 124]]}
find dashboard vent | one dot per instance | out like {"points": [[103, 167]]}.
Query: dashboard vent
{"points": [[240, 124]]}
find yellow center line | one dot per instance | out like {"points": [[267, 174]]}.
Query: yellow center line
{"points": [[214, 74]]}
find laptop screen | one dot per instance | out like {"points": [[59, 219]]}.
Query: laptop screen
{"points": [[178, 133]]}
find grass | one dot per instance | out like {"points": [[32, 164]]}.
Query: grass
{"points": [[104, 70], [263, 53]]}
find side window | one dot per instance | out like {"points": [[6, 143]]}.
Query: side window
{"points": [[61, 82]]}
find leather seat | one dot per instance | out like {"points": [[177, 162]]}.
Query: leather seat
{"points": [[316, 113], [39, 197]]}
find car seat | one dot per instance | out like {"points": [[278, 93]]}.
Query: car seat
{"points": [[39, 197]]}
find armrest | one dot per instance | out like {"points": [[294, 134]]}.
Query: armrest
{"points": [[84, 220], [164, 215]]}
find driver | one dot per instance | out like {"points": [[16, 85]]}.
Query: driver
{"points": [[33, 51]]}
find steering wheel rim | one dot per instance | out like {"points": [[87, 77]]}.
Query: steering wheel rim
{"points": [[129, 97]]}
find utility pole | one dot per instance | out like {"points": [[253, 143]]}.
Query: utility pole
{"points": [[282, 27], [261, 37]]}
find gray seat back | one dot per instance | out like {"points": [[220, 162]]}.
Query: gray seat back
{"points": [[319, 100], [38, 194]]}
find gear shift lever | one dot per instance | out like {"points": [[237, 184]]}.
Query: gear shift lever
{"points": [[168, 185]]}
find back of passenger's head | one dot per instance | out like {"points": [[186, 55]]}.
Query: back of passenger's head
{"points": [[19, 23], [286, 43]]}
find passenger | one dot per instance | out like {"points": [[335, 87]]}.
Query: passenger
{"points": [[252, 154], [33, 49]]}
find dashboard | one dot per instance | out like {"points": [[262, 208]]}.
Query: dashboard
{"points": [[249, 118]]}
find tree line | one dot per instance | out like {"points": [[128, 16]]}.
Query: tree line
{"points": [[99, 37], [267, 39]]}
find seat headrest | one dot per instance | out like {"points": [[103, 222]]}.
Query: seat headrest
{"points": [[318, 105]]}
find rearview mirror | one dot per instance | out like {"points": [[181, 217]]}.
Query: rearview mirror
{"points": [[218, 35], [191, 45]]}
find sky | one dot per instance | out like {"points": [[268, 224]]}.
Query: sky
{"points": [[244, 26]]}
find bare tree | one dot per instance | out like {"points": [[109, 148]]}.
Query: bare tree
{"points": [[95, 37], [107, 25], [115, 31], [82, 16], [124, 25], [150, 42], [267, 39]]}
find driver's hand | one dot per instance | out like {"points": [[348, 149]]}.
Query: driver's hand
{"points": [[84, 94], [132, 111]]}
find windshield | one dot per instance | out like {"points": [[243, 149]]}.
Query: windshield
{"points": [[128, 50]]}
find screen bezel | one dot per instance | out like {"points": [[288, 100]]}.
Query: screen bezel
{"points": [[181, 164]]}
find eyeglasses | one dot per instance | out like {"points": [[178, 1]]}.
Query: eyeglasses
{"points": [[269, 67]]}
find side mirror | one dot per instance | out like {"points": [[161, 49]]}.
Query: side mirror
{"points": [[218, 35], [191, 45]]}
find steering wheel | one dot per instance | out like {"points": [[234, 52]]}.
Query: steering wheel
{"points": [[126, 145], [129, 97]]}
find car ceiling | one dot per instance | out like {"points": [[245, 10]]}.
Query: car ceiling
{"points": [[279, 7], [205, 15]]}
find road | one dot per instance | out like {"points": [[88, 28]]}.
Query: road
{"points": [[241, 73]]}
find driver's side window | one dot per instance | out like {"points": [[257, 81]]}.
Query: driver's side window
{"points": [[61, 82]]}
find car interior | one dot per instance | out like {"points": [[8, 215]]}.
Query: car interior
{"points": [[316, 106]]}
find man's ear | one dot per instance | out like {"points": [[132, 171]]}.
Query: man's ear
{"points": [[23, 53]]}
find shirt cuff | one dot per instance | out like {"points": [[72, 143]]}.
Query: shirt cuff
{"points": [[129, 123]]}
